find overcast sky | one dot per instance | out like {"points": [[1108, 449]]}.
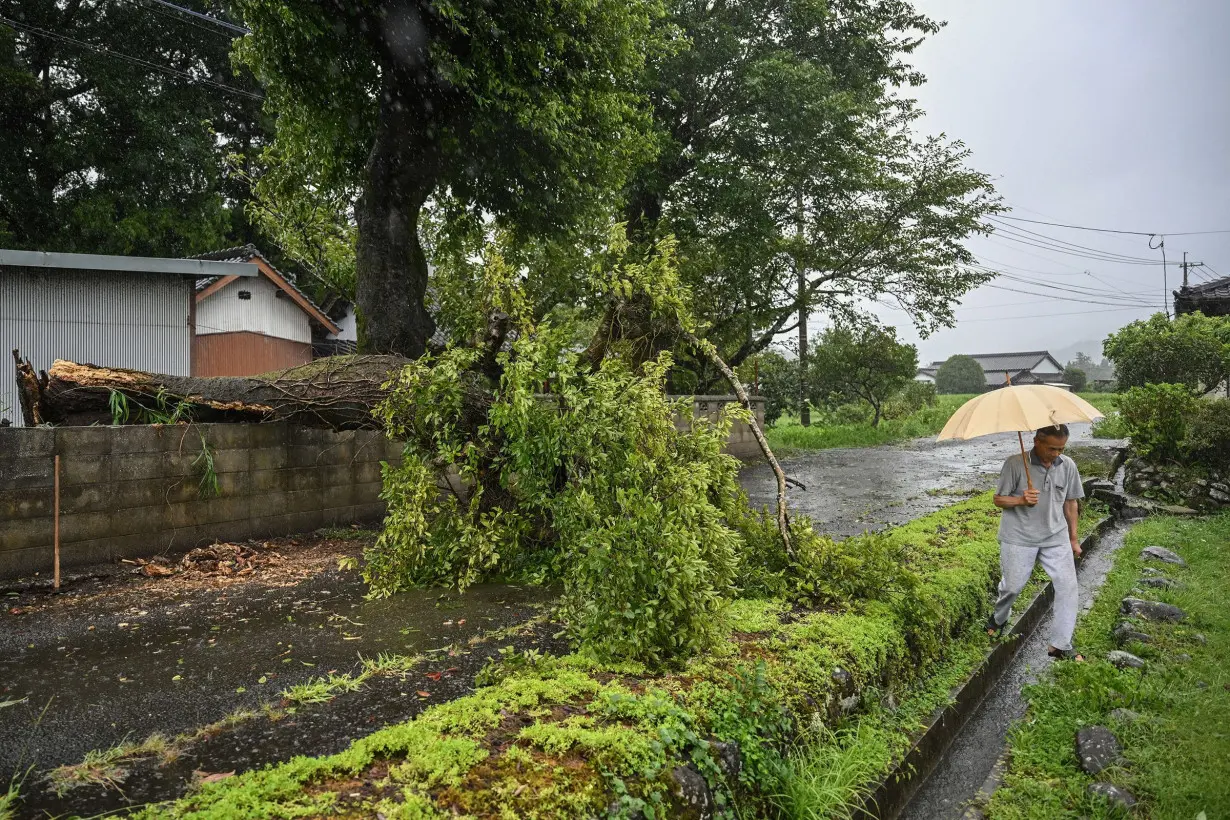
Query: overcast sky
{"points": [[1107, 113]]}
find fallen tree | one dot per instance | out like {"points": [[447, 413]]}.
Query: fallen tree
{"points": [[338, 392]]}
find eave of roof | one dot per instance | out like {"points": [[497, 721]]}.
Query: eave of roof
{"points": [[126, 264], [249, 252]]}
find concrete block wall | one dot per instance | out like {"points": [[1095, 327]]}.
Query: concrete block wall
{"points": [[135, 491], [741, 442]]}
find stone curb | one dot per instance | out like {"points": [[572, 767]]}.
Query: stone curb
{"points": [[894, 792]]}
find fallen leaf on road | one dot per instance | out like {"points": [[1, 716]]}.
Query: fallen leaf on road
{"points": [[15, 610], [432, 675], [423, 694], [462, 621], [212, 778]]}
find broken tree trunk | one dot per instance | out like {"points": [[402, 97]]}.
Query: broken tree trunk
{"points": [[338, 392]]}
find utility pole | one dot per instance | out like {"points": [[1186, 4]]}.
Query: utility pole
{"points": [[1187, 265]]}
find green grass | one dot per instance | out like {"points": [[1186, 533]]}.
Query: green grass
{"points": [[8, 801], [1178, 753], [788, 434]]}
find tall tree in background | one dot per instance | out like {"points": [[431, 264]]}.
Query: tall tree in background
{"points": [[114, 117], [524, 111], [960, 374], [791, 173], [864, 362]]}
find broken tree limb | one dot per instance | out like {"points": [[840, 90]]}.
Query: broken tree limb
{"points": [[29, 388], [783, 518], [338, 393]]}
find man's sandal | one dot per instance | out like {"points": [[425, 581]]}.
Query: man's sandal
{"points": [[993, 629], [1065, 654]]}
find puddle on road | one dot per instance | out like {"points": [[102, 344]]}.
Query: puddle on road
{"points": [[91, 679]]}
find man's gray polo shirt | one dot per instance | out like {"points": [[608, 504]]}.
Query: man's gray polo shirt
{"points": [[1042, 525]]}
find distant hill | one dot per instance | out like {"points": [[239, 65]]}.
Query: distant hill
{"points": [[1091, 348]]}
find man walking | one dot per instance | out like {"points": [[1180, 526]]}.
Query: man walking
{"points": [[1040, 504]]}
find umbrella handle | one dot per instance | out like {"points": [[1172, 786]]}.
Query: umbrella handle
{"points": [[1025, 460]]}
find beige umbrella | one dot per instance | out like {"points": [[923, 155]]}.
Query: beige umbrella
{"points": [[1016, 409]]}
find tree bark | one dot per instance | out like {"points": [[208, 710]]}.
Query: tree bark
{"points": [[390, 265], [801, 275], [337, 393]]}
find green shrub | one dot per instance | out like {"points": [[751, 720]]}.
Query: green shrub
{"points": [[1112, 426], [1208, 433], [909, 400], [1155, 417]]}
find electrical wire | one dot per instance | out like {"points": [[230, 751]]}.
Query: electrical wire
{"points": [[1079, 290], [215, 20], [1121, 303], [1109, 230], [1100, 257], [1050, 315], [137, 60], [172, 16], [1041, 237]]}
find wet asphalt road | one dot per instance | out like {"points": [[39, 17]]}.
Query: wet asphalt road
{"points": [[973, 752], [853, 490]]}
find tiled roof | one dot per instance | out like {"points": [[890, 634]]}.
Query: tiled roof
{"points": [[1217, 289], [246, 253], [1007, 361]]}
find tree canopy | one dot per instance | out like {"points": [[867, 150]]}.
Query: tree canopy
{"points": [[114, 118], [1075, 377], [864, 362], [960, 374], [527, 112], [792, 174], [1192, 350]]}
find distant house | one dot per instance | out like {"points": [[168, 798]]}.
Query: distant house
{"points": [[1033, 367], [1211, 298], [115, 311], [342, 312], [250, 326]]}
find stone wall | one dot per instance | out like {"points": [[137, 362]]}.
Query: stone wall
{"points": [[135, 491], [1205, 491]]}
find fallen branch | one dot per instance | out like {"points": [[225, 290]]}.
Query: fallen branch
{"points": [[783, 517]]}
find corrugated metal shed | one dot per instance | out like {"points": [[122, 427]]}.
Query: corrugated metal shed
{"points": [[113, 311]]}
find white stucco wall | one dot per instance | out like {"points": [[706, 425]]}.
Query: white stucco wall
{"points": [[349, 327], [270, 311], [1045, 367]]}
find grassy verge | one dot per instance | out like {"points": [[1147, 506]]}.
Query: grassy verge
{"points": [[815, 703], [788, 434], [1177, 753]]}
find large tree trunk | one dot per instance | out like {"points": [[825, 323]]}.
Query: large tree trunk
{"points": [[337, 393], [390, 265]]}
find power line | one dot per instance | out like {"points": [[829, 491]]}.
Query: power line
{"points": [[215, 20], [1078, 289], [1069, 298], [171, 16], [1109, 230], [1041, 237], [137, 60], [1049, 315], [1053, 248]]}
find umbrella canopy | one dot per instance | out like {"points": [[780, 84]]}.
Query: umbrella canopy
{"points": [[1015, 409]]}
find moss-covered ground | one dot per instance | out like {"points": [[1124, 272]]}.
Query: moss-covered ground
{"points": [[1177, 752], [802, 692]]}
